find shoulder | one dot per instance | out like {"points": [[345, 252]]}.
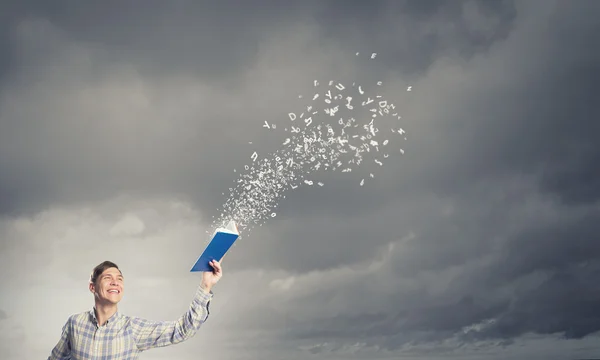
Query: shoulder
{"points": [[79, 318], [134, 321]]}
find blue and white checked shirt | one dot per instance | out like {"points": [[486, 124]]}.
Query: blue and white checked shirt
{"points": [[124, 337]]}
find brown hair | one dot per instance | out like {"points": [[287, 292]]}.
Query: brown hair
{"points": [[99, 269]]}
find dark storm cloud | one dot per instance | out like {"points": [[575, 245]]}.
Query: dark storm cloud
{"points": [[212, 43], [415, 34], [529, 283], [213, 39], [516, 168], [392, 331], [518, 128], [538, 118]]}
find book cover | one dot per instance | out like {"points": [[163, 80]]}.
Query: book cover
{"points": [[221, 242]]}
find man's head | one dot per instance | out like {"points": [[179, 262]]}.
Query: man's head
{"points": [[106, 283]]}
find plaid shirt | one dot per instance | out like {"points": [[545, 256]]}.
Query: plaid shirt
{"points": [[124, 337]]}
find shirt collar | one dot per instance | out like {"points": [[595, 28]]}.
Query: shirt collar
{"points": [[110, 320]]}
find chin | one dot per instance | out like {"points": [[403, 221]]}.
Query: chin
{"points": [[113, 301]]}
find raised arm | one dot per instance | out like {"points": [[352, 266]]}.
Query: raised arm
{"points": [[62, 350], [151, 334]]}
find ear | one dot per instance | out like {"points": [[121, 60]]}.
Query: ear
{"points": [[91, 287]]}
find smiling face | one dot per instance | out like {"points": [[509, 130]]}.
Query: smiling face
{"points": [[108, 288]]}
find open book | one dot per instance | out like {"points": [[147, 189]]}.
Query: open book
{"points": [[222, 240]]}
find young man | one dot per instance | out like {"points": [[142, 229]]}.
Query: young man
{"points": [[104, 333]]}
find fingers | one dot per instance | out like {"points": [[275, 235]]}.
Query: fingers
{"points": [[216, 265]]}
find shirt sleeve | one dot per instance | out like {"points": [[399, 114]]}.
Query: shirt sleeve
{"points": [[152, 334], [62, 350]]}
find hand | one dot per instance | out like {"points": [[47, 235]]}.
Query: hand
{"points": [[210, 278]]}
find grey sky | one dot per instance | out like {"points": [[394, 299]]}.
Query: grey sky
{"points": [[121, 124]]}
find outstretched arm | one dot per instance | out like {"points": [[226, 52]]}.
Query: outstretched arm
{"points": [[151, 334], [62, 350]]}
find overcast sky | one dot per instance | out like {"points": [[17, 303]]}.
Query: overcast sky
{"points": [[121, 123]]}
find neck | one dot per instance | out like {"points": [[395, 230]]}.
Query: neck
{"points": [[104, 312]]}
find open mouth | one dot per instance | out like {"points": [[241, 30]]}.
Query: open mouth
{"points": [[113, 291]]}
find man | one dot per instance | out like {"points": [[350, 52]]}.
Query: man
{"points": [[104, 333]]}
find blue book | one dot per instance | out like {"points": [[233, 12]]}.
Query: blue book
{"points": [[222, 240]]}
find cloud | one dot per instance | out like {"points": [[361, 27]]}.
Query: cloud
{"points": [[129, 225], [117, 142]]}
